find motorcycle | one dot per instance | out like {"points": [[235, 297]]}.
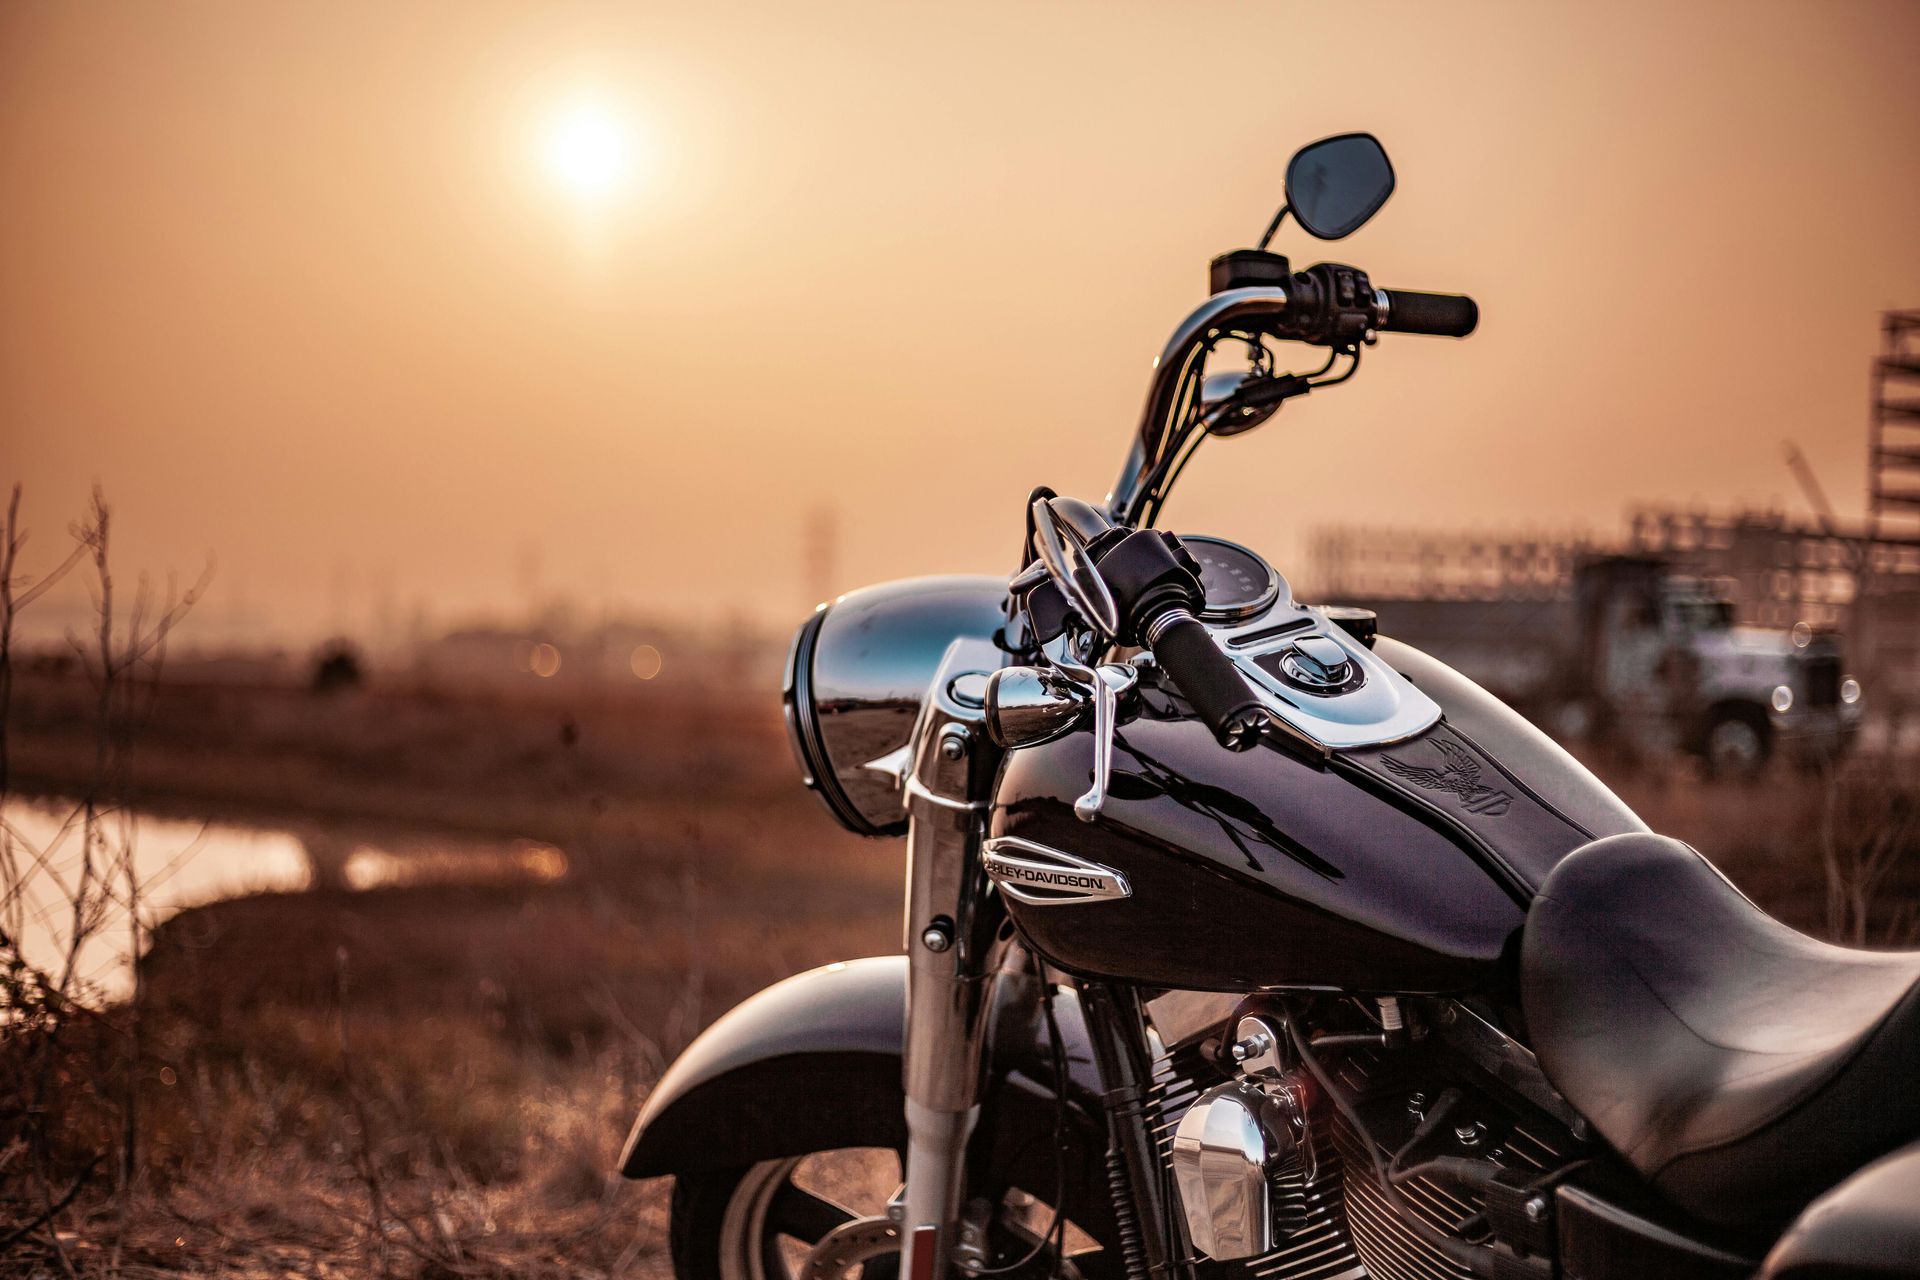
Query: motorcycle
{"points": [[1243, 941]]}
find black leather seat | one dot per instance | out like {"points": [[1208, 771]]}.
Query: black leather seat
{"points": [[1741, 1066], [1865, 1228]]}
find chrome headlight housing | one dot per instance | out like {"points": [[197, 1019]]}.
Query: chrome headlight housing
{"points": [[856, 676]]}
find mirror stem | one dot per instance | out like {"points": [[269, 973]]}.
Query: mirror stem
{"points": [[1273, 226]]}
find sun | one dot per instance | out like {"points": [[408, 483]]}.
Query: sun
{"points": [[589, 149]]}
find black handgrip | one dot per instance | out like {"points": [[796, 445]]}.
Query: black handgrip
{"points": [[1207, 678], [1444, 315]]}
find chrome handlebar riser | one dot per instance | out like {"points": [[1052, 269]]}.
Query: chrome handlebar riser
{"points": [[1229, 309]]}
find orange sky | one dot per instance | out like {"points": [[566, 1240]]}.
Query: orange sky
{"points": [[292, 281]]}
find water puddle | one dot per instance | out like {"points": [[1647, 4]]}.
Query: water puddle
{"points": [[180, 863]]}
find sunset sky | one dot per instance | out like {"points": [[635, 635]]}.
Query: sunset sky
{"points": [[435, 301]]}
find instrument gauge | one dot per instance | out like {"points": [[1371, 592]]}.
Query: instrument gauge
{"points": [[1238, 583]]}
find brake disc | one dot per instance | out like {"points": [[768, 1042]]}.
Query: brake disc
{"points": [[850, 1245]]}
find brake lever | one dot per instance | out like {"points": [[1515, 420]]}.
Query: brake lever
{"points": [[1088, 806], [1110, 682]]}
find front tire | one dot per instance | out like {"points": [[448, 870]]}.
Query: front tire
{"points": [[760, 1222]]}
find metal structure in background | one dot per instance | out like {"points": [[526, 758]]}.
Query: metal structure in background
{"points": [[1893, 458], [1369, 563], [1778, 569]]}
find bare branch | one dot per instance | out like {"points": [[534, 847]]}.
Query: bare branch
{"points": [[51, 1211]]}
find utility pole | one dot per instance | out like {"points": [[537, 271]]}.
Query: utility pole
{"points": [[818, 544]]}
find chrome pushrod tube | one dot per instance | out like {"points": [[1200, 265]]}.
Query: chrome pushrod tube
{"points": [[1230, 309]]}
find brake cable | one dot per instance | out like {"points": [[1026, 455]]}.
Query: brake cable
{"points": [[1058, 1225]]}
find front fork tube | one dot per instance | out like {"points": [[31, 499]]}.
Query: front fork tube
{"points": [[951, 919], [947, 1002], [953, 968]]}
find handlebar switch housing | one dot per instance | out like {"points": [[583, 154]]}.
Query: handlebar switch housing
{"points": [[1149, 572], [1331, 305]]}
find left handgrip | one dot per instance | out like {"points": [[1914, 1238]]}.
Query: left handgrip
{"points": [[1207, 678]]}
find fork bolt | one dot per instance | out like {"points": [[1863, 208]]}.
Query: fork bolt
{"points": [[1252, 1047]]}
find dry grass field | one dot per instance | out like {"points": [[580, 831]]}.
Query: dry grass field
{"points": [[432, 1077]]}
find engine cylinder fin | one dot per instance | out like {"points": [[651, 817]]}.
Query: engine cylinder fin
{"points": [[1349, 1228], [1387, 1246], [1391, 1249], [1443, 1207], [1535, 1150]]}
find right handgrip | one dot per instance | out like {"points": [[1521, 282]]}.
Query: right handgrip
{"points": [[1207, 678], [1444, 315]]}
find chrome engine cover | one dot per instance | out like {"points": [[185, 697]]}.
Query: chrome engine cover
{"points": [[1230, 1149]]}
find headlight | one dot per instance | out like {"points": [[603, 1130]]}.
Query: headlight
{"points": [[1849, 691], [1782, 699], [856, 675]]}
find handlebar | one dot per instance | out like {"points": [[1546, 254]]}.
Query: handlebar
{"points": [[1207, 678], [1150, 588], [1325, 305], [1443, 315]]}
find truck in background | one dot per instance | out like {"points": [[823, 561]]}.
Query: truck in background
{"points": [[1659, 658], [1650, 660]]}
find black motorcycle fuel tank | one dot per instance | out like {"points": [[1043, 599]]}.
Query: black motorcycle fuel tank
{"points": [[1400, 868]]}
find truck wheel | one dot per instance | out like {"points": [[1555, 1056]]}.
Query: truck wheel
{"points": [[1738, 743], [1574, 720]]}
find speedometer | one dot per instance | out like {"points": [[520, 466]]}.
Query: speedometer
{"points": [[1238, 583]]}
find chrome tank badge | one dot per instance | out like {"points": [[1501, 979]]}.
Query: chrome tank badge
{"points": [[1042, 877]]}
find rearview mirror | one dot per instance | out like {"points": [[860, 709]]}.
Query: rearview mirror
{"points": [[1336, 184]]}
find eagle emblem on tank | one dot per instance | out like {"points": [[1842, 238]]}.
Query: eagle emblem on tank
{"points": [[1458, 774]]}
